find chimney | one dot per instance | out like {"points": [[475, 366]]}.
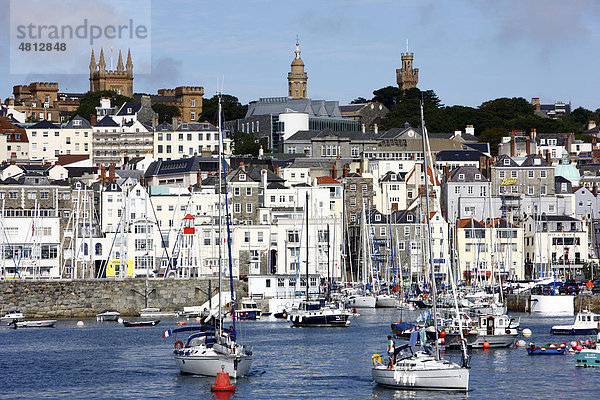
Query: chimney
{"points": [[535, 101], [145, 100], [93, 120], [457, 132], [263, 180], [363, 128], [277, 169], [103, 174], [242, 166], [512, 143], [591, 125], [13, 162], [548, 158], [534, 134], [470, 130], [154, 121], [375, 129], [446, 172], [174, 123], [595, 189], [528, 145], [488, 168], [345, 171], [482, 165], [111, 172], [261, 153], [199, 178], [334, 171]]}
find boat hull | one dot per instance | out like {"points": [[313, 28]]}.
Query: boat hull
{"points": [[434, 379], [37, 324], [320, 320], [385, 302], [107, 317], [247, 314], [546, 351], [362, 302], [566, 330], [587, 358], [134, 324], [235, 366]]}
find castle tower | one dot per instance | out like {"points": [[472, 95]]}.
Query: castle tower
{"points": [[297, 78], [119, 80], [407, 76]]}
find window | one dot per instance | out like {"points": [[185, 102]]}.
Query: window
{"points": [[364, 187], [543, 190], [382, 231], [470, 190], [542, 174], [354, 151], [530, 190], [193, 115], [507, 161], [247, 237], [514, 174], [352, 201], [249, 191], [260, 237], [353, 187], [236, 191], [406, 230], [237, 208], [501, 174], [143, 244], [293, 237], [44, 195], [242, 176], [530, 173], [248, 208], [461, 177]]}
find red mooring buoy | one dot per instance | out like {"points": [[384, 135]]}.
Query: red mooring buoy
{"points": [[223, 383]]}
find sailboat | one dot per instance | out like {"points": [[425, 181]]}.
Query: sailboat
{"points": [[212, 349], [424, 369], [317, 313], [363, 298]]}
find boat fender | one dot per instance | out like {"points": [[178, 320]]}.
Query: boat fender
{"points": [[376, 359], [508, 332], [424, 297], [178, 344]]}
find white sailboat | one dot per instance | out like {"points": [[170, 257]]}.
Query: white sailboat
{"points": [[423, 369], [213, 349]]}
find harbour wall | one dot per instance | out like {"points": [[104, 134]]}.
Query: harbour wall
{"points": [[523, 303], [86, 298]]}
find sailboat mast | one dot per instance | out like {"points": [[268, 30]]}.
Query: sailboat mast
{"points": [[430, 246], [306, 212], [220, 236]]}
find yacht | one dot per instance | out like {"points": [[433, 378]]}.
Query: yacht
{"points": [[586, 323], [152, 312], [386, 301], [361, 301], [496, 330], [248, 310], [316, 313], [11, 316], [50, 323], [108, 315], [208, 353]]}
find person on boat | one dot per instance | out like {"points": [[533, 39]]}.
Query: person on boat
{"points": [[390, 350], [232, 334]]}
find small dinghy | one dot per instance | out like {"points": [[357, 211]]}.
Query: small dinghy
{"points": [[133, 324], [549, 349]]}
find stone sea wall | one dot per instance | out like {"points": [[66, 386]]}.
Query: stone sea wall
{"points": [[86, 298]]}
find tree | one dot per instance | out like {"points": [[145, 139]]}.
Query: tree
{"points": [[91, 100], [166, 112], [506, 108], [359, 100], [493, 136], [245, 143], [232, 109]]}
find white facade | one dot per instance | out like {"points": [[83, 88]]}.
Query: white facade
{"points": [[293, 122]]}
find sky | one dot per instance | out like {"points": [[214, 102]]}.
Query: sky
{"points": [[467, 51]]}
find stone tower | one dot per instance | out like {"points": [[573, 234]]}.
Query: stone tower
{"points": [[297, 78], [407, 76], [119, 80]]}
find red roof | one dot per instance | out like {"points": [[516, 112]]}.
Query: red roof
{"points": [[188, 216], [323, 180], [66, 159]]}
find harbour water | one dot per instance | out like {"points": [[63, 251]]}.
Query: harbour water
{"points": [[106, 360]]}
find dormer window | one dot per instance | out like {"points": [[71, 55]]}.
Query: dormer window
{"points": [[77, 122], [537, 161], [409, 217], [378, 217], [477, 177], [461, 177], [542, 142], [506, 161], [242, 176], [129, 110]]}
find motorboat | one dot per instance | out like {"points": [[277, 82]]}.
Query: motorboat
{"points": [[408, 369], [208, 353], [495, 330], [152, 312], [133, 324], [586, 323], [50, 323], [588, 357], [12, 316], [249, 310], [317, 313], [108, 315]]}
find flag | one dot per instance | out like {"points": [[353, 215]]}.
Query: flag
{"points": [[167, 333]]}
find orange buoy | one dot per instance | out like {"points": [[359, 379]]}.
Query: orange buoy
{"points": [[589, 285], [223, 383], [442, 334], [486, 345]]}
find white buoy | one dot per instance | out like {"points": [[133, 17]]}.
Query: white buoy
{"points": [[120, 320], [79, 323], [526, 332], [521, 343]]}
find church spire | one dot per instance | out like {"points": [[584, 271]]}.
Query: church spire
{"points": [[92, 62], [297, 78], [129, 64], [120, 63], [101, 62]]}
